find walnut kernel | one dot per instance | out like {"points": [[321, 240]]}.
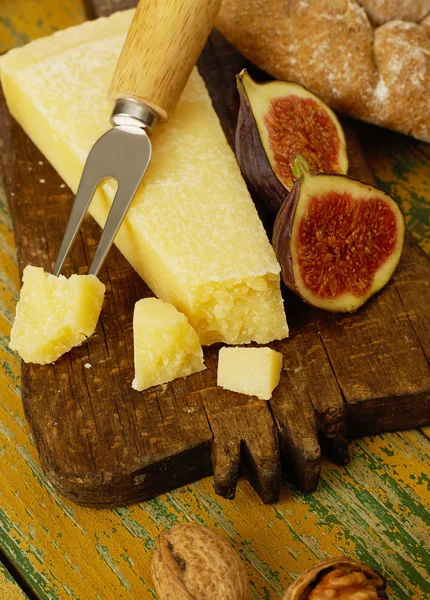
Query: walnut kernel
{"points": [[336, 585], [338, 578]]}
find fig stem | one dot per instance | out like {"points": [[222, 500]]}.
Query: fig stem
{"points": [[244, 81], [299, 166]]}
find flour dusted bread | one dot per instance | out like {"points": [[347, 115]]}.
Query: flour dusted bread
{"points": [[339, 50], [401, 100], [382, 11]]}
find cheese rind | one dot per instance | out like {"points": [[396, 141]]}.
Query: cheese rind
{"points": [[54, 314], [165, 345], [252, 371], [192, 232]]}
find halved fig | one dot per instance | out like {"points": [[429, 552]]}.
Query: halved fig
{"points": [[279, 120], [338, 240], [339, 578]]}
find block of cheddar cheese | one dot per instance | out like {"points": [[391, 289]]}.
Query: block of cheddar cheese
{"points": [[192, 233]]}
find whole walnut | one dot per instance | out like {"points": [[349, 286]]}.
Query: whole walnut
{"points": [[194, 563], [338, 578]]}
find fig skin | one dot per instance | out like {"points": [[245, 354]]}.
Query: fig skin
{"points": [[285, 225], [255, 164], [266, 189], [303, 586]]}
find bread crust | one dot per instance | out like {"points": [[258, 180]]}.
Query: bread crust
{"points": [[382, 11], [377, 73]]}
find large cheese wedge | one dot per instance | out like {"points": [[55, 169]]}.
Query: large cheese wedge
{"points": [[54, 314], [192, 232], [165, 345]]}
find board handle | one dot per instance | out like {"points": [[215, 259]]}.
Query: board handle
{"points": [[162, 46]]}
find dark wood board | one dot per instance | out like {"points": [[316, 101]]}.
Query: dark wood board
{"points": [[101, 443]]}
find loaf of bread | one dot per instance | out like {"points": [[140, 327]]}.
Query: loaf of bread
{"points": [[366, 58]]}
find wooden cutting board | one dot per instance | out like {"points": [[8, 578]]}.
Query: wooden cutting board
{"points": [[102, 443]]}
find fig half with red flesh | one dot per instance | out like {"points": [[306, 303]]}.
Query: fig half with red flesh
{"points": [[279, 120], [338, 240]]}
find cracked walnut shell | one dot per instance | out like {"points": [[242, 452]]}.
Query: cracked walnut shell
{"points": [[338, 578]]}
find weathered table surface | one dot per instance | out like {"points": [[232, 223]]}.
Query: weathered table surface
{"points": [[376, 508]]}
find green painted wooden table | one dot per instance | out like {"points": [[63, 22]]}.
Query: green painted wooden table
{"points": [[376, 508]]}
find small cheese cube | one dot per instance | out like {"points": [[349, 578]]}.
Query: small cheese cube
{"points": [[54, 314], [252, 371], [165, 345]]}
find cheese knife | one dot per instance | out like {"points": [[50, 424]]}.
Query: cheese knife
{"points": [[162, 46]]}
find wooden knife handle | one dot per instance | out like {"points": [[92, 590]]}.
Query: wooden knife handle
{"points": [[163, 44]]}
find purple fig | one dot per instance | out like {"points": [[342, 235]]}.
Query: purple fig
{"points": [[338, 240], [278, 120]]}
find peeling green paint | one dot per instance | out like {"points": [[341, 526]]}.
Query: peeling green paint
{"points": [[107, 558]]}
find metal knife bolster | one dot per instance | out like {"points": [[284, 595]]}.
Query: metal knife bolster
{"points": [[131, 112]]}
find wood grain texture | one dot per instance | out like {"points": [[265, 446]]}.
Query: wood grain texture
{"points": [[296, 420], [101, 443], [162, 46], [236, 448]]}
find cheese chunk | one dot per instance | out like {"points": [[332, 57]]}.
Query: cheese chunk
{"points": [[165, 345], [54, 314], [192, 232], [252, 371]]}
